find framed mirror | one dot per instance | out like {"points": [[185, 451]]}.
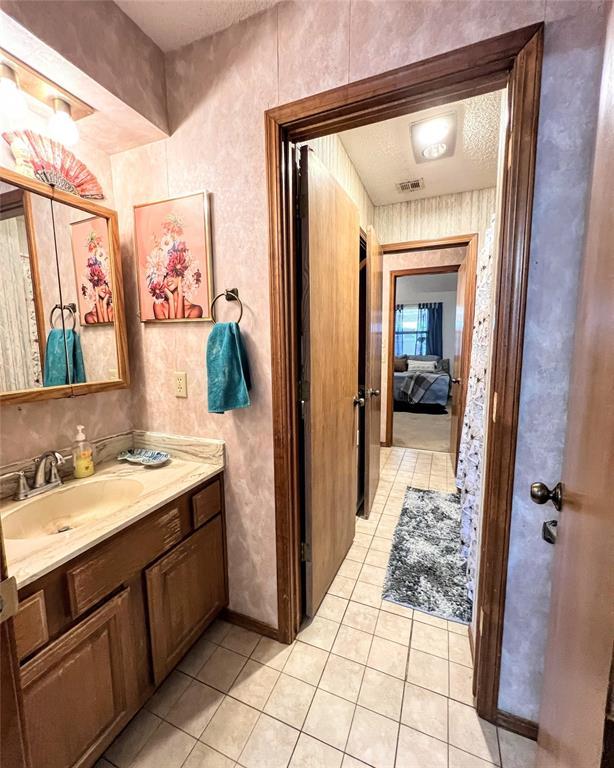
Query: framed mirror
{"points": [[62, 321]]}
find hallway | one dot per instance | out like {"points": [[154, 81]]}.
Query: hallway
{"points": [[367, 683]]}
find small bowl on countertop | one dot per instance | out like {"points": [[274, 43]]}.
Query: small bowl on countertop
{"points": [[146, 456]]}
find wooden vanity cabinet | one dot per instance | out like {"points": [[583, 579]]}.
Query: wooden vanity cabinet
{"points": [[96, 635]]}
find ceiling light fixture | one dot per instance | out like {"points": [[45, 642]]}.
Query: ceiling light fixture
{"points": [[12, 98], [434, 138], [61, 126]]}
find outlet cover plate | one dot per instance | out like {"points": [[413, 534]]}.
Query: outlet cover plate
{"points": [[181, 384]]}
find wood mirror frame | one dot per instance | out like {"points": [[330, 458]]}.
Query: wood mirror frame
{"points": [[121, 344]]}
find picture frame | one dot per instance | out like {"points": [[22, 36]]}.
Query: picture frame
{"points": [[172, 245], [93, 271]]}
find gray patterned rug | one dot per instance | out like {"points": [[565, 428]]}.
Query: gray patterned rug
{"points": [[426, 570]]}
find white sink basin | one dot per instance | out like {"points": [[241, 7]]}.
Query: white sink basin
{"points": [[59, 511]]}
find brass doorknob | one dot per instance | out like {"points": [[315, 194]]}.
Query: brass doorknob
{"points": [[373, 392], [541, 494]]}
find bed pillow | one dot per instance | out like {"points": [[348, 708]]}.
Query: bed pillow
{"points": [[400, 364], [421, 365]]}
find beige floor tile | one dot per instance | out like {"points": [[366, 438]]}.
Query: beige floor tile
{"points": [[372, 574], [342, 677], [195, 708], [361, 616], [459, 759], [373, 738], [400, 610], [290, 700], [167, 747], [271, 653], [366, 526], [230, 727], [461, 683], [516, 751], [363, 539], [271, 743], [381, 545], [254, 684], [417, 750], [393, 627], [342, 586], [320, 632], [194, 659], [241, 640], [203, 756], [425, 711], [460, 650], [350, 569], [311, 753], [221, 670], [430, 639], [130, 741], [333, 607], [428, 671], [306, 662], [377, 558], [470, 733], [458, 628], [381, 693], [217, 631], [352, 644], [388, 657], [426, 618], [168, 693], [329, 719], [357, 553], [368, 594]]}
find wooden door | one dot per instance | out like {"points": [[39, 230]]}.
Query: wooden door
{"points": [[185, 589], [14, 750], [75, 691], [579, 649], [373, 378], [330, 233], [456, 371]]}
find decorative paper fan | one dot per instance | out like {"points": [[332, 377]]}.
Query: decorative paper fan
{"points": [[49, 161]]}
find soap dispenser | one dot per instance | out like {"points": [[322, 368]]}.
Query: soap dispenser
{"points": [[82, 454]]}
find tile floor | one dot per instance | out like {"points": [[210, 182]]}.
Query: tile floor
{"points": [[367, 682]]}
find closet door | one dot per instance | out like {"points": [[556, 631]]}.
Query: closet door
{"points": [[330, 233], [373, 401]]}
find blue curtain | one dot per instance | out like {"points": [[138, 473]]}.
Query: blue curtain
{"points": [[431, 314]]}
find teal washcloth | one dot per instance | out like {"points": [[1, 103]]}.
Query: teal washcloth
{"points": [[228, 378], [56, 372]]}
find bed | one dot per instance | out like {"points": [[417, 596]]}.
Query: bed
{"points": [[416, 385]]}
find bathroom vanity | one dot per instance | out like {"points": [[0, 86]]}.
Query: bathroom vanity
{"points": [[111, 602]]}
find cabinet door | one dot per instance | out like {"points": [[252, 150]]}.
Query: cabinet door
{"points": [[185, 590], [74, 690]]}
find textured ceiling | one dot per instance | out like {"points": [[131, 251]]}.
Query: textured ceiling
{"points": [[383, 156], [173, 23]]}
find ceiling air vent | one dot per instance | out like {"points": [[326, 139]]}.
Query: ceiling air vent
{"points": [[413, 185]]}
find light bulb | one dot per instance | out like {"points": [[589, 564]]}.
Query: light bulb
{"points": [[61, 126], [434, 131], [433, 151], [12, 100]]}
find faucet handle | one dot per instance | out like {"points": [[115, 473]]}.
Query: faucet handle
{"points": [[22, 487], [56, 461]]}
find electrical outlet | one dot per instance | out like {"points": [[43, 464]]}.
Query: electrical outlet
{"points": [[181, 384]]}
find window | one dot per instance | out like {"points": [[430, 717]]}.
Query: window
{"points": [[410, 330]]}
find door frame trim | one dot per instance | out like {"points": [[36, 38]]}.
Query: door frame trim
{"points": [[470, 242], [514, 60]]}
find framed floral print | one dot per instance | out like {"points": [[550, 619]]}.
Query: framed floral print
{"points": [[173, 252], [90, 250]]}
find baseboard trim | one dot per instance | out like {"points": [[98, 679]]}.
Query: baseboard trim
{"points": [[241, 620], [516, 724]]}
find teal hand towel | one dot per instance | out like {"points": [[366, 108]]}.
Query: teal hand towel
{"points": [[57, 373], [228, 378]]}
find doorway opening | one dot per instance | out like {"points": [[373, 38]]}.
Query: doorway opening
{"points": [[300, 364]]}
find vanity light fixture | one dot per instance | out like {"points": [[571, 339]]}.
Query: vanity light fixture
{"points": [[61, 125], [12, 98], [434, 138]]}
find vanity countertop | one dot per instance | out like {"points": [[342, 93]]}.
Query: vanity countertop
{"points": [[30, 558]]}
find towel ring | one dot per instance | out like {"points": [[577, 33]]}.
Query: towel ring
{"points": [[69, 308], [232, 295]]}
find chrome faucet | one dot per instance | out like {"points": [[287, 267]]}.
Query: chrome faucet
{"points": [[46, 476]]}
